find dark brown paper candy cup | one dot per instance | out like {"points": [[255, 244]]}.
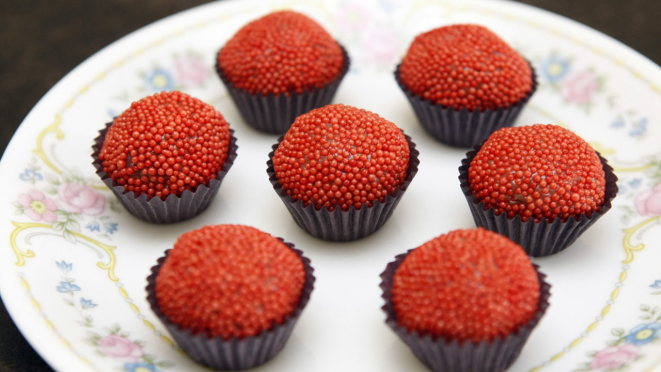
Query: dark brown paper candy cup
{"points": [[174, 208], [463, 128], [233, 354], [340, 225], [441, 355], [275, 114], [542, 238]]}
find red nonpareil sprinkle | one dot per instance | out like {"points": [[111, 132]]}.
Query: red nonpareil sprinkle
{"points": [[539, 172], [465, 66], [165, 144], [341, 156], [229, 281], [466, 285], [282, 53]]}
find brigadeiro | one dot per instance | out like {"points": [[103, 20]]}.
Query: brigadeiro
{"points": [[230, 295], [540, 185], [465, 301], [165, 156], [464, 82], [279, 67], [341, 171]]}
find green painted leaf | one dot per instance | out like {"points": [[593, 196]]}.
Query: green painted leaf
{"points": [[91, 342], [619, 332], [644, 307], [51, 179], [73, 225], [70, 237], [148, 359], [114, 205], [582, 369]]}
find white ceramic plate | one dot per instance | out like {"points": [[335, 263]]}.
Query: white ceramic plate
{"points": [[73, 273]]}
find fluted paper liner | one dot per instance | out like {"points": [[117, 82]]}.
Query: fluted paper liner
{"points": [[463, 128], [234, 354], [443, 355], [542, 238], [175, 208], [275, 114], [340, 225]]}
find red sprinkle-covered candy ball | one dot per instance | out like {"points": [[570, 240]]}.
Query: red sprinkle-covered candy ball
{"points": [[467, 285], [229, 281], [341, 156], [465, 66], [538, 172], [165, 144], [281, 53]]}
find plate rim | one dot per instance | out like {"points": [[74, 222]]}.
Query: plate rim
{"points": [[10, 295]]}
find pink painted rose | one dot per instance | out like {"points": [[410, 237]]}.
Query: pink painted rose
{"points": [[353, 18], [381, 45], [580, 88], [120, 347], [190, 70], [37, 206], [614, 357], [648, 203], [78, 198]]}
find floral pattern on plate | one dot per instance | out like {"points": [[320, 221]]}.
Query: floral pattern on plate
{"points": [[64, 211], [628, 346], [110, 342]]}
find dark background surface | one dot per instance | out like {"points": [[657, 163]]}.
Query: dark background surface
{"points": [[42, 40]]}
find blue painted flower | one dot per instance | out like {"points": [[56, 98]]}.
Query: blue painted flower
{"points": [[112, 113], [386, 5], [65, 287], [87, 304], [93, 226], [618, 123], [110, 227], [555, 68], [622, 187], [634, 183], [64, 266], [639, 128], [31, 175], [657, 284], [139, 367], [159, 79], [643, 333]]}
